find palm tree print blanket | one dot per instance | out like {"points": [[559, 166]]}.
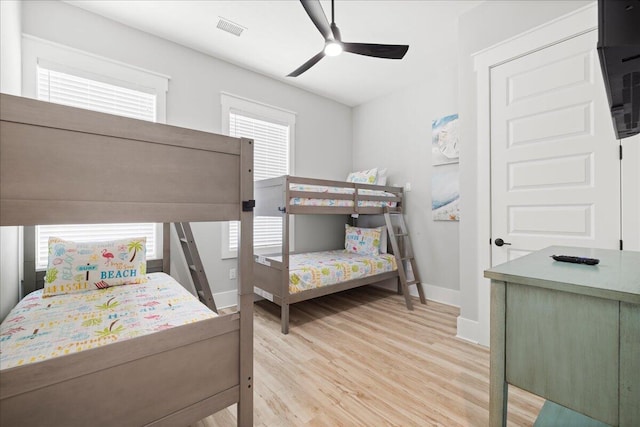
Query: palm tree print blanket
{"points": [[40, 328]]}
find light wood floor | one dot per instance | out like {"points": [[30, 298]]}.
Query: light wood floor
{"points": [[360, 358]]}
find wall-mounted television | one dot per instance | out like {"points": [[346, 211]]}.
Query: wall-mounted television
{"points": [[619, 52]]}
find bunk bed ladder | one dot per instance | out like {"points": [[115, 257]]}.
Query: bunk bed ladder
{"points": [[188, 244], [404, 256]]}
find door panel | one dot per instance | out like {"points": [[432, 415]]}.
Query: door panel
{"points": [[555, 170], [631, 193], [551, 76], [566, 171]]}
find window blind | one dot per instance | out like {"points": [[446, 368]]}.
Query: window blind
{"points": [[76, 91], [270, 159]]}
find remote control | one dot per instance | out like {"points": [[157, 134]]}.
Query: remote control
{"points": [[575, 259]]}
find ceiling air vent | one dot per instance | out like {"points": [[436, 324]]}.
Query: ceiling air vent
{"points": [[230, 27]]}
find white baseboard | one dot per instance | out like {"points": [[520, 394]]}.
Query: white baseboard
{"points": [[468, 330], [226, 299], [433, 293], [440, 294]]}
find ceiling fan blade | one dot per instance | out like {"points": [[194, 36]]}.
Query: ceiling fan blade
{"points": [[304, 67], [316, 13], [388, 51]]}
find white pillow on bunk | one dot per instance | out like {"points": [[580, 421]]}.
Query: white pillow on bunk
{"points": [[365, 241], [363, 177], [382, 177], [383, 239], [82, 266]]}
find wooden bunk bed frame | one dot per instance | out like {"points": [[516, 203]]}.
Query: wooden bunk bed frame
{"points": [[273, 198], [63, 165]]}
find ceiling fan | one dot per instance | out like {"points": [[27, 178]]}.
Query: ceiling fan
{"points": [[333, 44]]}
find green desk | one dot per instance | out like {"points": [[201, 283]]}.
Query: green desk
{"points": [[569, 333]]}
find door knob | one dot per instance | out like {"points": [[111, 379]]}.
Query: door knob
{"points": [[500, 242]]}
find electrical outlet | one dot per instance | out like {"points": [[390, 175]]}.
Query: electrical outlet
{"points": [[232, 273], [407, 186]]}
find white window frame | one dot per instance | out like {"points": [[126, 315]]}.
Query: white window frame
{"points": [[233, 103], [54, 56], [88, 65]]}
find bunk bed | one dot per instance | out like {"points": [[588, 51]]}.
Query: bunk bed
{"points": [[62, 165], [275, 276]]}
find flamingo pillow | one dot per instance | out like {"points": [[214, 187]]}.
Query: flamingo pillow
{"points": [[83, 266]]}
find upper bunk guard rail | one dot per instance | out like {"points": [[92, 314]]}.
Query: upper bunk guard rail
{"points": [[274, 197], [318, 195], [65, 165], [30, 111]]}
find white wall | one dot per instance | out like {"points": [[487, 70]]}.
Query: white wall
{"points": [[394, 132], [10, 248], [10, 29], [481, 27], [193, 101]]}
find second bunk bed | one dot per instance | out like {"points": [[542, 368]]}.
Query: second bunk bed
{"points": [[286, 278]]}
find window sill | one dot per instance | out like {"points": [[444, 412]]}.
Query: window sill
{"points": [[267, 250]]}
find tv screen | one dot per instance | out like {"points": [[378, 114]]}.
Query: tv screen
{"points": [[619, 52]]}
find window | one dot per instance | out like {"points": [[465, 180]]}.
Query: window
{"points": [[76, 90], [272, 130]]}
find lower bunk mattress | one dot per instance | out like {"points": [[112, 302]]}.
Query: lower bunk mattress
{"points": [[43, 328], [317, 269]]}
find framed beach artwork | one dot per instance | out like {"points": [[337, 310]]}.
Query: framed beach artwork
{"points": [[445, 193], [444, 140]]}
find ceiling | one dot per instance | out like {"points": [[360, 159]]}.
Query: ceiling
{"points": [[279, 37]]}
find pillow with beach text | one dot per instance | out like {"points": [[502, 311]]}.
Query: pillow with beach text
{"points": [[83, 266]]}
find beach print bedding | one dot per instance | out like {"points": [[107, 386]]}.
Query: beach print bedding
{"points": [[42, 328], [303, 201], [316, 269]]}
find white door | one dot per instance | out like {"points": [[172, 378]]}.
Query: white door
{"points": [[555, 168], [631, 193]]}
